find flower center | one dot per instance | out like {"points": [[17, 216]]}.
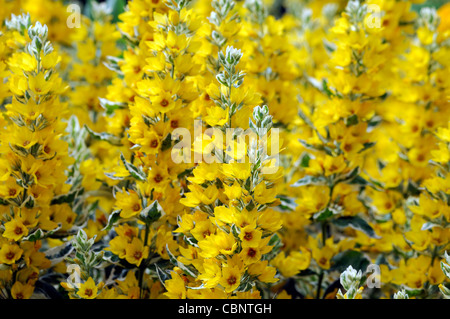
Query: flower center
{"points": [[88, 292], [231, 281], [164, 103], [154, 143], [158, 178], [174, 124], [137, 255], [251, 252]]}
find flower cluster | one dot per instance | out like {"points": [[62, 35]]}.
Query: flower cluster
{"points": [[224, 149], [34, 156]]}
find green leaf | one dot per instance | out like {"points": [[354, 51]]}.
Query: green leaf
{"points": [[305, 160], [274, 240], [133, 170], [113, 176], [36, 235], [353, 258], [111, 106], [88, 9], [19, 150], [358, 180], [367, 146], [112, 219], [177, 263], [287, 203], [166, 143], [326, 89], [234, 230], [277, 244], [172, 257], [429, 225], [323, 214], [117, 7], [107, 137], [357, 223], [351, 120], [306, 272], [151, 213], [162, 275], [58, 253], [310, 180], [414, 292], [322, 148], [67, 198], [349, 176]]}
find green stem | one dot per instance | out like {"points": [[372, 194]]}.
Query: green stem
{"points": [[143, 265], [319, 285], [324, 225]]}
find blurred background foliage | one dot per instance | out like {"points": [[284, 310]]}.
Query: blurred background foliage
{"points": [[430, 3], [277, 9]]}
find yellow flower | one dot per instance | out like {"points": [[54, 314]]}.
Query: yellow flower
{"points": [[211, 273], [425, 35], [217, 116], [265, 195], [231, 278], [9, 254], [21, 291], [175, 287], [118, 246], [199, 195], [264, 272], [214, 245], [293, 263], [15, 230], [88, 289], [129, 203], [39, 85], [164, 103], [136, 252], [250, 236], [237, 170]]}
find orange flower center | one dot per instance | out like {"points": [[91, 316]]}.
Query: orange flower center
{"points": [[154, 143], [231, 281], [164, 103], [251, 252], [137, 255], [158, 178], [174, 124]]}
